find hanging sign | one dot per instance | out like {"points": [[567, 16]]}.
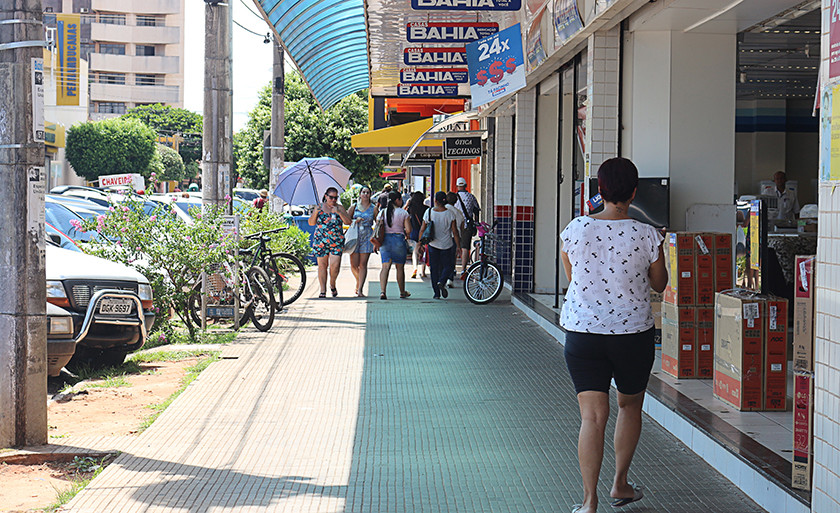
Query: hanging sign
{"points": [[434, 76], [496, 66], [134, 180], [466, 5], [448, 32], [455, 148], [427, 90], [435, 56], [67, 71], [567, 20], [535, 48], [38, 99]]}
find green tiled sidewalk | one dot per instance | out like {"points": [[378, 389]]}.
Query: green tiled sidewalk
{"points": [[388, 406]]}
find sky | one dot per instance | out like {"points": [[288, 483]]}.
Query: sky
{"points": [[252, 59]]}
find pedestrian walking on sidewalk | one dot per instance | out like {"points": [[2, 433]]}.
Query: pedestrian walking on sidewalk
{"points": [[362, 214], [612, 262], [394, 249], [328, 239], [416, 209], [452, 205], [443, 245]]}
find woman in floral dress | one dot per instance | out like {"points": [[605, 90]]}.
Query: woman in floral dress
{"points": [[362, 214], [328, 239]]}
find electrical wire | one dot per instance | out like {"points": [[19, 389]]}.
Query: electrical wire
{"points": [[247, 29], [252, 12]]}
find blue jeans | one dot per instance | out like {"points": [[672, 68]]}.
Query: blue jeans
{"points": [[441, 266], [393, 248]]}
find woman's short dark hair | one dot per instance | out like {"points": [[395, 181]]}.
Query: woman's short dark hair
{"points": [[617, 179], [328, 191], [451, 198], [440, 197]]}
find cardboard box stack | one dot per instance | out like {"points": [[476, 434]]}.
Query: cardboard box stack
{"points": [[803, 369], [750, 359], [699, 265]]}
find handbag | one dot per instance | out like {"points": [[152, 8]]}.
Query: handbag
{"points": [[378, 235], [351, 238], [428, 233]]}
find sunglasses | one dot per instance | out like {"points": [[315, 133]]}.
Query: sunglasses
{"points": [[332, 197]]}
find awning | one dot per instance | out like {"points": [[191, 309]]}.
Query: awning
{"points": [[396, 139], [327, 41]]}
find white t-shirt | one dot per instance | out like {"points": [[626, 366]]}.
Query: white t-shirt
{"points": [[609, 291], [459, 216], [443, 228]]}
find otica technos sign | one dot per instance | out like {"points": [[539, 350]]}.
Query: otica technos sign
{"points": [[67, 71], [466, 5], [449, 32]]}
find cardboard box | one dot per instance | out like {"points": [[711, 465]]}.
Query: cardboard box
{"points": [[738, 350], [681, 289], [705, 342], [679, 334], [803, 314], [775, 354], [803, 429], [724, 279], [704, 269]]}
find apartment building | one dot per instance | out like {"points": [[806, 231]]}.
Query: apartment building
{"points": [[135, 51]]}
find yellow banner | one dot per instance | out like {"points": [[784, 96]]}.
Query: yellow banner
{"points": [[67, 64], [834, 164]]}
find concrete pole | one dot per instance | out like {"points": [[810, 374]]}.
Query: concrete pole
{"points": [[23, 330], [278, 127], [217, 152]]}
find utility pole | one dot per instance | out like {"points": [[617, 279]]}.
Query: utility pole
{"points": [[217, 152], [23, 329], [278, 127]]}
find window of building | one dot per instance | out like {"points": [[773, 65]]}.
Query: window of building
{"points": [[86, 49], [112, 48], [112, 78], [148, 20], [145, 50], [112, 19], [110, 108], [148, 80]]}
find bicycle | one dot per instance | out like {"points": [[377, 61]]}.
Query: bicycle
{"points": [[287, 272], [483, 280], [256, 299]]}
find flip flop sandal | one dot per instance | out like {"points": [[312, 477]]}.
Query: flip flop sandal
{"points": [[637, 495], [334, 292], [404, 295], [576, 508], [383, 296]]}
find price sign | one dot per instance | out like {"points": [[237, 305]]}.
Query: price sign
{"points": [[496, 65]]}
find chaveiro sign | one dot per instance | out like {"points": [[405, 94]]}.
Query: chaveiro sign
{"points": [[455, 148], [448, 32], [434, 76], [497, 66], [466, 5], [435, 56]]}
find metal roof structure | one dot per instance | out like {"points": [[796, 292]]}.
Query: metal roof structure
{"points": [[326, 40]]}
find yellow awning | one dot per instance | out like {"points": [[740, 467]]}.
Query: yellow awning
{"points": [[396, 139]]}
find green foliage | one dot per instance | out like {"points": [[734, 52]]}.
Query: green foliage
{"points": [[291, 240], [350, 196], [166, 121], [110, 146], [172, 165], [309, 132]]}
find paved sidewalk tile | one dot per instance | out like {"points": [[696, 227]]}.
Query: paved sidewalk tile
{"points": [[413, 405]]}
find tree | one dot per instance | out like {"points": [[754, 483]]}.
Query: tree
{"points": [[167, 121], [172, 165], [310, 132], [111, 146]]}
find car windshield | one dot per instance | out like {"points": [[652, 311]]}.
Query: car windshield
{"points": [[63, 240], [246, 195], [60, 216]]}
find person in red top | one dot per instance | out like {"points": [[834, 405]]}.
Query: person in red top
{"points": [[259, 201]]}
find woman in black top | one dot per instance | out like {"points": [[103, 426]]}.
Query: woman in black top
{"points": [[416, 210]]}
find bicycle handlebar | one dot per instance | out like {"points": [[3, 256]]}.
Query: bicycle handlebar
{"points": [[257, 235]]}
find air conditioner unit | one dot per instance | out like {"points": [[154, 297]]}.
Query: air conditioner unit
{"points": [[83, 10], [48, 9]]}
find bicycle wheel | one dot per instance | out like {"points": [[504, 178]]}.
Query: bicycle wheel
{"points": [[293, 274], [259, 298], [269, 265], [483, 283]]}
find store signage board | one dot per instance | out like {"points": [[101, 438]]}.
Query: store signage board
{"points": [[455, 148], [834, 40], [448, 32], [135, 180], [435, 56], [68, 32], [534, 43], [826, 126], [496, 66], [434, 75], [466, 5], [427, 90], [567, 20]]}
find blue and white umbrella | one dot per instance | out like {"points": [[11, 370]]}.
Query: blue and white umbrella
{"points": [[306, 181]]}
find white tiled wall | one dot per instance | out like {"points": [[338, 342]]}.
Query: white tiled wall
{"points": [[602, 72], [504, 160], [526, 104]]}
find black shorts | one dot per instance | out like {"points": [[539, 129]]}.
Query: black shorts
{"points": [[466, 238], [594, 360]]}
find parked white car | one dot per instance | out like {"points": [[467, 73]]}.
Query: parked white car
{"points": [[110, 304]]}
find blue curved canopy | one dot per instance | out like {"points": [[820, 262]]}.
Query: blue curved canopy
{"points": [[327, 41]]}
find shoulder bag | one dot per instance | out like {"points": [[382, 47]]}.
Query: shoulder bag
{"points": [[429, 233]]}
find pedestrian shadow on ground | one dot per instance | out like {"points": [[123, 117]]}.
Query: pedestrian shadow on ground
{"points": [[202, 489]]}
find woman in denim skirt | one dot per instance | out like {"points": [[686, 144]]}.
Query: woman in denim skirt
{"points": [[394, 249]]}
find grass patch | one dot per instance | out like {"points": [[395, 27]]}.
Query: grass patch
{"points": [[110, 382], [85, 470], [171, 356], [180, 335], [192, 373], [108, 377]]}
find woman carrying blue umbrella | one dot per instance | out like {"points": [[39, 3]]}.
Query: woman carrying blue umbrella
{"points": [[328, 239]]}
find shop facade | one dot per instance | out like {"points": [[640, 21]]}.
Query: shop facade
{"points": [[709, 99]]}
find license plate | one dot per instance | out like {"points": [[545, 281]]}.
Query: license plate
{"points": [[115, 306]]}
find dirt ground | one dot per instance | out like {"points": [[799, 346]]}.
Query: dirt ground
{"points": [[90, 411]]}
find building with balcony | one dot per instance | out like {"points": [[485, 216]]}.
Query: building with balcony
{"points": [[135, 49]]}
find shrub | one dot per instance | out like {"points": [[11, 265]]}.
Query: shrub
{"points": [[292, 240]]}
